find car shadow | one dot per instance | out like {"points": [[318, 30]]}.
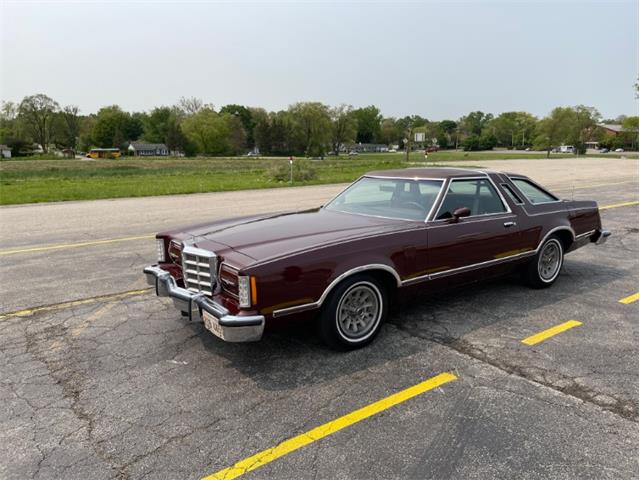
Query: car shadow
{"points": [[294, 357]]}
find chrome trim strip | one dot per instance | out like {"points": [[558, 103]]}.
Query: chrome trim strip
{"points": [[309, 306], [467, 268], [552, 231], [557, 211], [440, 194], [585, 234], [438, 201], [440, 179], [476, 219]]}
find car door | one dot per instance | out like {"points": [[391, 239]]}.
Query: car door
{"points": [[488, 236]]}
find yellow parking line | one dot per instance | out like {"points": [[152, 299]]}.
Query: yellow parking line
{"points": [[85, 301], [550, 332], [294, 443], [618, 205], [61, 246], [630, 299]]}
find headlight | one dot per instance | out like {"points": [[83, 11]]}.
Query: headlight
{"points": [[161, 251], [244, 291]]}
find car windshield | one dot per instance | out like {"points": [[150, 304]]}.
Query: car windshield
{"points": [[404, 199]]}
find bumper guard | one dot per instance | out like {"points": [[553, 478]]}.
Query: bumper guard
{"points": [[601, 236], [234, 328]]}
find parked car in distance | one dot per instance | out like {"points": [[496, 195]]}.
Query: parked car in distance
{"points": [[253, 154], [432, 148], [388, 231], [564, 149], [392, 150], [604, 150], [619, 150], [353, 153]]}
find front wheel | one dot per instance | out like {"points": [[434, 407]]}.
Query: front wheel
{"points": [[353, 314], [545, 267]]}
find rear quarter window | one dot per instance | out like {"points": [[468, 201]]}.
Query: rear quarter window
{"points": [[532, 192]]}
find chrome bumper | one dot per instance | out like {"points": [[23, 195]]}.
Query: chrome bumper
{"points": [[601, 237], [235, 328]]}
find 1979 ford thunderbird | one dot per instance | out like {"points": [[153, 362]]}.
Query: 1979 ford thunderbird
{"points": [[387, 231]]}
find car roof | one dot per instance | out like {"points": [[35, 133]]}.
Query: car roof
{"points": [[438, 173]]}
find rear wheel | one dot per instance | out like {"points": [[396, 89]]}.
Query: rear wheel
{"points": [[353, 314], [545, 267]]}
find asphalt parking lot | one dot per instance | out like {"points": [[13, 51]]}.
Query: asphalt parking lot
{"points": [[100, 379]]}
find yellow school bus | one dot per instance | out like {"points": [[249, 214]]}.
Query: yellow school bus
{"points": [[104, 153]]}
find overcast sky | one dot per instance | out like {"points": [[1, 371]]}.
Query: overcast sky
{"points": [[437, 59]]}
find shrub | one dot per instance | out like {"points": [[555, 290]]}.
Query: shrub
{"points": [[302, 171], [471, 143]]}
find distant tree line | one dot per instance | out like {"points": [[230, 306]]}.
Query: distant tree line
{"points": [[193, 127]]}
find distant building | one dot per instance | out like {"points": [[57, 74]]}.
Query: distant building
{"points": [[369, 147], [5, 152], [148, 149], [611, 129]]}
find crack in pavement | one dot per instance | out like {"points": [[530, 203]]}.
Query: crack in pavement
{"points": [[624, 408]]}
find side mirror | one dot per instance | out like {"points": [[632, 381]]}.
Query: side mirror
{"points": [[460, 212]]}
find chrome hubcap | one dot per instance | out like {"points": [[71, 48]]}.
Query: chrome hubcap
{"points": [[549, 262], [358, 311]]}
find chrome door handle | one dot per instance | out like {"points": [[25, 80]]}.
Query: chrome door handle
{"points": [[509, 224]]}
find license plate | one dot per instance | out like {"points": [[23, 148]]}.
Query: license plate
{"points": [[212, 324]]}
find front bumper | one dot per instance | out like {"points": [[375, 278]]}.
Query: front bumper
{"points": [[601, 236], [234, 328]]}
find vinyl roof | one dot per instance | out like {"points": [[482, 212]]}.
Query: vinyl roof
{"points": [[427, 173]]}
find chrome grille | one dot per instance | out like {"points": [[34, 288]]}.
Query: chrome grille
{"points": [[199, 269]]}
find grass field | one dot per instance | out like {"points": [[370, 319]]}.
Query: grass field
{"points": [[63, 180]]}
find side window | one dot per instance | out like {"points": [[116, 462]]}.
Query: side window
{"points": [[512, 195], [478, 195], [533, 193]]}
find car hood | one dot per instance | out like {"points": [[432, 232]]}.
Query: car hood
{"points": [[280, 234]]}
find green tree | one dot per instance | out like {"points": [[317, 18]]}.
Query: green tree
{"points": [[471, 143], [37, 114], [630, 132], [245, 116], [156, 124], [512, 129], [68, 126], [208, 131], [389, 132], [343, 127], [474, 123], [237, 136], [368, 124], [447, 131], [312, 127], [567, 126], [114, 127]]}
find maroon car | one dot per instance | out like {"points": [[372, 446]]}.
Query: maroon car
{"points": [[387, 231]]}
